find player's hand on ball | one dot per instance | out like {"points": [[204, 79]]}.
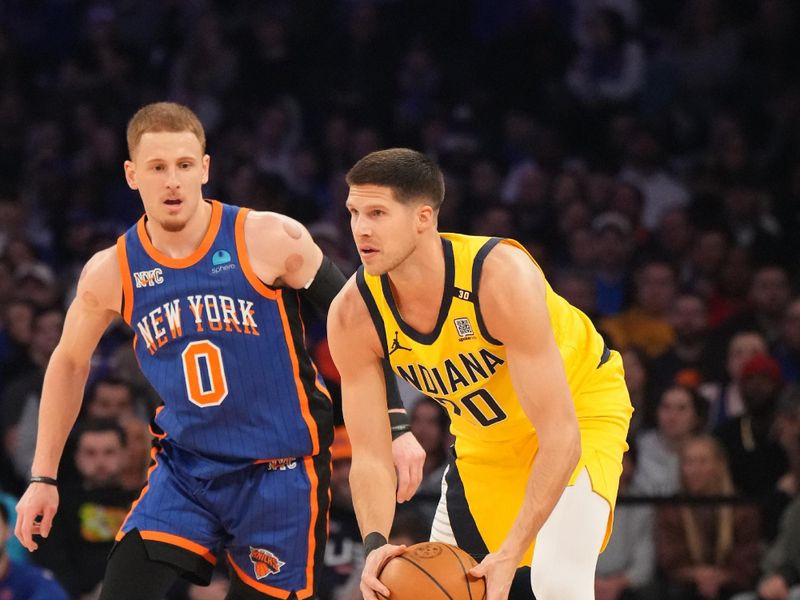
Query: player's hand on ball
{"points": [[499, 570], [370, 585], [409, 458]]}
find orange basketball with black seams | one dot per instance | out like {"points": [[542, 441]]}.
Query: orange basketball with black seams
{"points": [[432, 571]]}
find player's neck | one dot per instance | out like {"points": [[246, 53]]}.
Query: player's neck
{"points": [[4, 560], [180, 244], [423, 267], [420, 278]]}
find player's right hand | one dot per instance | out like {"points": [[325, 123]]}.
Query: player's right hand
{"points": [[35, 512], [370, 585]]}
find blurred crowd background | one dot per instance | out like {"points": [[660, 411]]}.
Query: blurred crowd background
{"points": [[646, 152]]}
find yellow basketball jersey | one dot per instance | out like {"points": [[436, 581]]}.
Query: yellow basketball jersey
{"points": [[459, 363], [461, 366]]}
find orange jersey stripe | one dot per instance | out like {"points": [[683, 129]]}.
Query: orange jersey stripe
{"points": [[244, 259], [312, 525], [301, 390], [200, 252], [181, 542], [127, 282]]}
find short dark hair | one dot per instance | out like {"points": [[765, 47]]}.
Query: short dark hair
{"points": [[101, 426], [5, 515], [411, 175]]}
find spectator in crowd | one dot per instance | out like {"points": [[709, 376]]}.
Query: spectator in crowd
{"points": [[626, 567], [688, 359], [725, 397], [681, 413], [700, 270], [19, 580], [758, 460], [706, 551], [91, 512], [110, 398], [644, 168], [769, 297], [613, 250], [646, 323], [611, 68]]}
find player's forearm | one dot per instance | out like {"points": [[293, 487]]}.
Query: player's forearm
{"points": [[373, 484], [62, 391], [552, 468]]}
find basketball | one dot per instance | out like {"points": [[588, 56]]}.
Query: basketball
{"points": [[432, 570]]}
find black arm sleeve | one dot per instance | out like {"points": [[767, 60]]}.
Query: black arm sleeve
{"points": [[393, 400], [328, 281]]}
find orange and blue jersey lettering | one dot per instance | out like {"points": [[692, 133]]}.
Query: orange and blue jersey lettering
{"points": [[224, 351]]}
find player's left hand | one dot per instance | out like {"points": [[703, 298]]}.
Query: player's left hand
{"points": [[409, 458], [499, 569]]}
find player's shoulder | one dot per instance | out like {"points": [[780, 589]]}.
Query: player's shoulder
{"points": [[506, 263], [102, 278], [103, 264], [348, 308], [273, 226]]}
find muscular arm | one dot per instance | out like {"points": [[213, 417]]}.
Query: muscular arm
{"points": [[511, 286], [355, 349], [95, 305], [282, 252]]}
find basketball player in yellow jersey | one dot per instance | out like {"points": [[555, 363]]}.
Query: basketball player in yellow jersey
{"points": [[538, 404]]}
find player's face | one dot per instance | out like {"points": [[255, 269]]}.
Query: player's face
{"points": [[384, 230], [169, 169]]}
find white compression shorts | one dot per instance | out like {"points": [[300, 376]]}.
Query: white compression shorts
{"points": [[565, 555]]}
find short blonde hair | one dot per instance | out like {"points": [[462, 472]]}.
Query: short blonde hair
{"points": [[163, 116]]}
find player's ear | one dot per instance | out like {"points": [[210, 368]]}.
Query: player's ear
{"points": [[130, 175], [206, 165], [426, 217]]}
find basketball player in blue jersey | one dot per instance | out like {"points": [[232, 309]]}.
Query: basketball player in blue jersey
{"points": [[537, 402], [242, 461]]}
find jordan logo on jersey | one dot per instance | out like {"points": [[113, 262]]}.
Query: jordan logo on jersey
{"points": [[396, 344], [148, 278], [206, 313], [264, 562]]}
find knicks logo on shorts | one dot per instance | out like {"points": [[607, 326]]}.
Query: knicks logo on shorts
{"points": [[264, 562]]}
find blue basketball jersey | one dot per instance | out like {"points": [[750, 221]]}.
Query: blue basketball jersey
{"points": [[224, 351]]}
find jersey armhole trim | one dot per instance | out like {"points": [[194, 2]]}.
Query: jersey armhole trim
{"points": [[244, 259], [477, 267], [126, 308], [372, 307]]}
